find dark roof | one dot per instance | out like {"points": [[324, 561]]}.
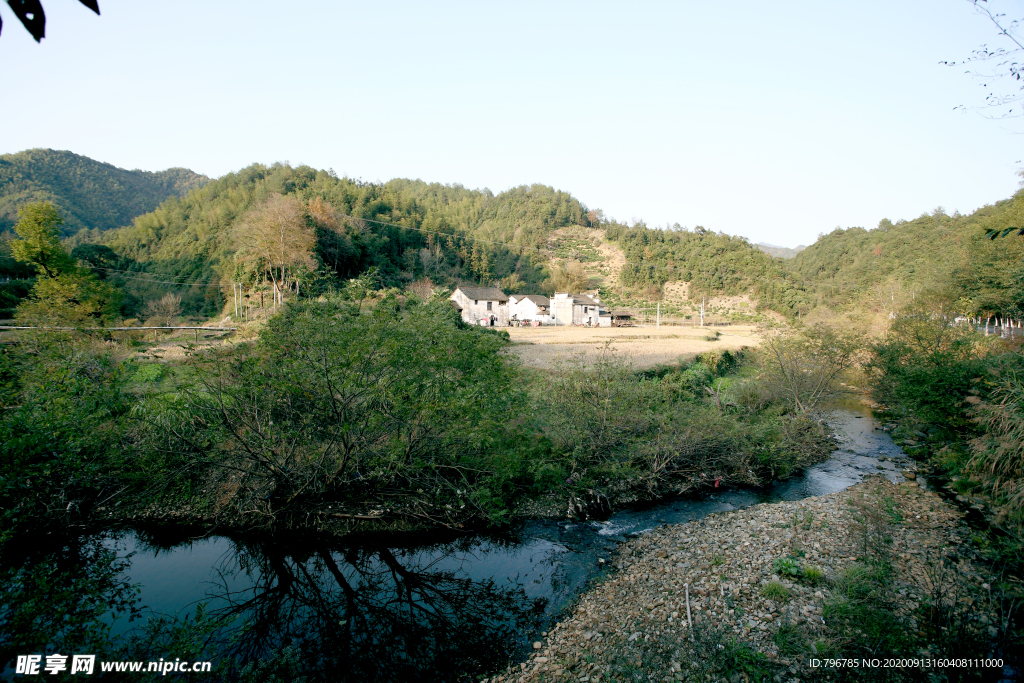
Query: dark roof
{"points": [[585, 300], [477, 293], [622, 314], [455, 305], [535, 298]]}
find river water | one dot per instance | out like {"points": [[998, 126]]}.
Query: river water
{"points": [[451, 610]]}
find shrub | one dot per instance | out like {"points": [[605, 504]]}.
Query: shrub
{"points": [[806, 368], [149, 372], [926, 363], [787, 566], [998, 455], [346, 406]]}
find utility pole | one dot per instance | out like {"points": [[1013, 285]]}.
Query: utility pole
{"points": [[702, 311], [658, 324]]}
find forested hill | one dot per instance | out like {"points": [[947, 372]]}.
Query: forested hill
{"points": [[407, 230], [933, 252], [145, 233], [90, 194], [711, 263]]}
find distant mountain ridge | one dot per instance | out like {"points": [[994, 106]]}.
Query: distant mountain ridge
{"points": [[89, 193], [780, 252]]}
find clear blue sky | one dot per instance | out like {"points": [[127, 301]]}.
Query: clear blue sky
{"points": [[776, 121]]}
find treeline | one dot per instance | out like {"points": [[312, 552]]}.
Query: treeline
{"points": [[887, 267], [337, 228], [201, 246]]}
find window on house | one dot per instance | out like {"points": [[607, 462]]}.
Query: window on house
{"points": [[584, 309], [476, 302], [488, 305]]}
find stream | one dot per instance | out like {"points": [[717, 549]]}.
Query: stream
{"points": [[452, 610]]}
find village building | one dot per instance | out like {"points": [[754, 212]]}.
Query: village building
{"points": [[529, 308], [486, 306], [578, 309]]}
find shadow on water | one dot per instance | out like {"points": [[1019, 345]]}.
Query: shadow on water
{"points": [[451, 610], [360, 612]]}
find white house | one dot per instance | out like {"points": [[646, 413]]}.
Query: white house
{"points": [[578, 309], [481, 305], [529, 308]]}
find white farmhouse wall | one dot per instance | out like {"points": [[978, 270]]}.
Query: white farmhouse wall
{"points": [[482, 304]]}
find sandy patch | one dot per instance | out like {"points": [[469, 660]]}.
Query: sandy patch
{"points": [[545, 347]]}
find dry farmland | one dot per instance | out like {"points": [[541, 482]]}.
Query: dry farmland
{"points": [[545, 347]]}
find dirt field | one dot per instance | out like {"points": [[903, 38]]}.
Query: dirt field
{"points": [[544, 347]]}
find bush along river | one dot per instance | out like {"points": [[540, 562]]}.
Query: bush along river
{"points": [[267, 608]]}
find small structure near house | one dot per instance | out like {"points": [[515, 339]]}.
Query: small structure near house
{"points": [[529, 308], [577, 309], [486, 306], [621, 319]]}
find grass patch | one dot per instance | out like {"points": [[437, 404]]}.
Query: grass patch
{"points": [[965, 485], [790, 640], [804, 521], [775, 590], [711, 655], [813, 575]]}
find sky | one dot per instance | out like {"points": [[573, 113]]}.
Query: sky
{"points": [[775, 121]]}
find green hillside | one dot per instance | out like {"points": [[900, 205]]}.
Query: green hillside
{"points": [[712, 263], [933, 252], [407, 230], [89, 193], [178, 232]]}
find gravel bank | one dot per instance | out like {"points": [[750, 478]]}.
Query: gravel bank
{"points": [[726, 560]]}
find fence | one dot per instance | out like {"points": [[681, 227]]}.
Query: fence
{"points": [[156, 330]]}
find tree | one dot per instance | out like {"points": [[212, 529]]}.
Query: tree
{"points": [[167, 307], [63, 294], [276, 232], [99, 258], [1016, 216], [30, 14], [335, 403], [927, 361], [570, 277], [39, 228], [1003, 62], [73, 298], [807, 367]]}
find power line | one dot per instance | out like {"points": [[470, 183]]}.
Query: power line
{"points": [[368, 220], [161, 282]]}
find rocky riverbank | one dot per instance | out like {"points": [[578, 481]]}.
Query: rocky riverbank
{"points": [[773, 585]]}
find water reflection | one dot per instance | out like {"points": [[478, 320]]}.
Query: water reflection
{"points": [[62, 595], [313, 607], [370, 614]]}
